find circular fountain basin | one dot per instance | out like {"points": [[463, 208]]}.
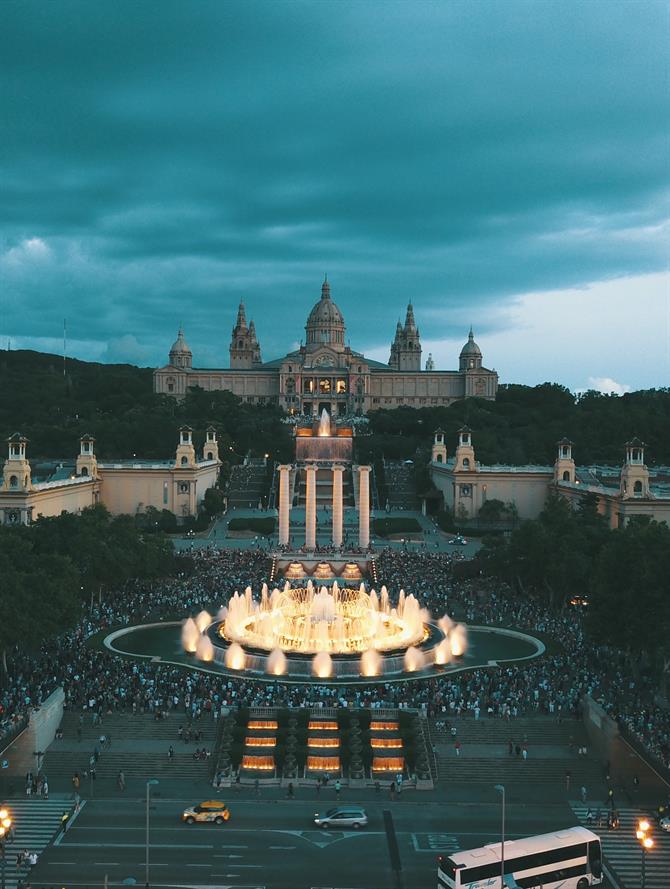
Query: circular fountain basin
{"points": [[487, 647]]}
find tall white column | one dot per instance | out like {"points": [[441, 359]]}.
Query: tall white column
{"points": [[284, 505], [337, 505], [364, 506], [310, 508]]}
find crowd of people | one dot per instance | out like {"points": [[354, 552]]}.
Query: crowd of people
{"points": [[96, 681]]}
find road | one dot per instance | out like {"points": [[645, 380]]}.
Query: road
{"points": [[273, 844]]}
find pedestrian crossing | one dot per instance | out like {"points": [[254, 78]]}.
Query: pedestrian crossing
{"points": [[36, 822], [622, 850]]}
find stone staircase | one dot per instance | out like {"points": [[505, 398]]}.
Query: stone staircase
{"points": [[484, 757], [139, 747], [401, 491], [247, 485]]}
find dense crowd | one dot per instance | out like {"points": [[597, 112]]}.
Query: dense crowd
{"points": [[96, 681]]}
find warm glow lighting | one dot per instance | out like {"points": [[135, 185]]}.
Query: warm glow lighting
{"points": [[389, 743], [643, 826], [262, 724], [236, 659], [260, 742], [647, 842], [322, 665], [388, 764], [383, 726], [639, 834], [323, 763], [323, 742], [3, 814], [258, 763], [322, 725]]}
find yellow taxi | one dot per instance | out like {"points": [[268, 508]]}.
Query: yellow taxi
{"points": [[212, 811]]}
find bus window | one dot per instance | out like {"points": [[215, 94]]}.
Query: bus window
{"points": [[595, 858]]}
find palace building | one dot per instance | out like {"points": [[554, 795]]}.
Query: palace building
{"points": [[325, 373], [124, 487], [466, 484]]}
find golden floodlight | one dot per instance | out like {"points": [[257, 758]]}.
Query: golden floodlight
{"points": [[643, 825], [648, 843]]}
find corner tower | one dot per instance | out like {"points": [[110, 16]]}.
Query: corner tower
{"points": [[406, 347], [635, 475], [16, 471], [245, 350], [87, 463]]}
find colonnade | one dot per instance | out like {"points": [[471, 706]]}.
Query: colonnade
{"points": [[337, 505]]}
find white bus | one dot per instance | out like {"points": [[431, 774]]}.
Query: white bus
{"points": [[566, 859]]}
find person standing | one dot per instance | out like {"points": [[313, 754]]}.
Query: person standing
{"points": [[338, 787]]}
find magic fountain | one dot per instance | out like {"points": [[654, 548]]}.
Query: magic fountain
{"points": [[328, 632]]}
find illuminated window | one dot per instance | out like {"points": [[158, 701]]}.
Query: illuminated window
{"points": [[324, 386], [341, 387], [308, 386]]}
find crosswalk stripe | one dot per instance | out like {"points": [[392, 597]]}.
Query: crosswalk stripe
{"points": [[623, 852], [36, 822]]}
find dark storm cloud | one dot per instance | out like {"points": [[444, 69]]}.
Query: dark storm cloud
{"points": [[173, 158]]}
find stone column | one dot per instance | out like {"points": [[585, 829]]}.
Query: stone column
{"points": [[310, 508], [284, 504], [364, 506], [337, 505]]}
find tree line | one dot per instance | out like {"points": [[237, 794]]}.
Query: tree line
{"points": [[624, 574], [57, 566]]}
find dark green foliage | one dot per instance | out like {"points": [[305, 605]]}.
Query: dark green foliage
{"points": [[524, 423], [50, 569], [384, 527], [263, 526], [116, 404]]}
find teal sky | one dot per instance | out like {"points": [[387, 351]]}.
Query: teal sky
{"points": [[504, 165]]}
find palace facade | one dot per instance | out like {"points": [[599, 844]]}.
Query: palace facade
{"points": [[124, 487], [326, 373], [620, 494]]}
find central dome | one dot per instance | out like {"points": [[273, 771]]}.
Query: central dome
{"points": [[325, 324]]}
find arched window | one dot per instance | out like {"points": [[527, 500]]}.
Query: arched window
{"points": [[210, 455], [466, 463], [566, 476], [13, 481], [438, 459], [637, 487], [184, 461], [84, 470]]}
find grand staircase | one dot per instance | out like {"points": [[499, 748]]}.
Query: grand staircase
{"points": [[139, 747], [484, 757], [248, 484]]}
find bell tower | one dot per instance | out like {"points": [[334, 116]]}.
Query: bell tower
{"points": [[185, 457], [406, 347], [16, 471], [439, 450], [245, 351], [564, 467], [211, 449], [87, 463], [465, 453], [634, 474]]}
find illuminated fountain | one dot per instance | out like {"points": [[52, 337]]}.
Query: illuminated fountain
{"points": [[311, 620], [323, 633]]}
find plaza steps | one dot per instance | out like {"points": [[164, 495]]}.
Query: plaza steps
{"points": [[139, 747], [247, 485], [536, 730], [484, 756], [401, 491]]}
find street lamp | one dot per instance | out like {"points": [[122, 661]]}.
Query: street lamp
{"points": [[151, 783], [501, 790], [5, 827], [646, 842]]}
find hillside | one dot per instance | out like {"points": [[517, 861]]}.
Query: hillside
{"points": [[115, 403]]}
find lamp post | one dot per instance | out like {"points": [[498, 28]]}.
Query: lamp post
{"points": [[501, 790], [151, 783], [643, 828], [5, 827]]}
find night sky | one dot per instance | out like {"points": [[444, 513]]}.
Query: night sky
{"points": [[500, 164]]}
